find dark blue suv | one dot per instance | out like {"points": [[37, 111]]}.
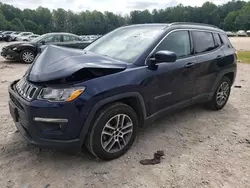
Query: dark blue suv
{"points": [[131, 76]]}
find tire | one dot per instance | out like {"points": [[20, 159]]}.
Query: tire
{"points": [[102, 137], [215, 103], [27, 56], [8, 39]]}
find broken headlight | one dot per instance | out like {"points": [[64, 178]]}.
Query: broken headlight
{"points": [[57, 94]]}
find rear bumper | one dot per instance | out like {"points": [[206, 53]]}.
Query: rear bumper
{"points": [[34, 120], [10, 54]]}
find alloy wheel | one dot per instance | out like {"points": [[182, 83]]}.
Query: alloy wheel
{"points": [[116, 133], [222, 93], [28, 57]]}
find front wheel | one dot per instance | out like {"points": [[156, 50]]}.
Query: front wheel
{"points": [[27, 56], [221, 94], [113, 131]]}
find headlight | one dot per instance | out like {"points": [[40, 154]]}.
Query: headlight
{"points": [[65, 94], [14, 48]]}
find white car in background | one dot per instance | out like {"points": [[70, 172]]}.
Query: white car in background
{"points": [[28, 37], [22, 34], [242, 33], [248, 32], [14, 35], [231, 34]]}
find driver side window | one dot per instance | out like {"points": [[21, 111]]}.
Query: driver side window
{"points": [[178, 42]]}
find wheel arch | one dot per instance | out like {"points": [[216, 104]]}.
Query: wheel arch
{"points": [[133, 99], [230, 73]]}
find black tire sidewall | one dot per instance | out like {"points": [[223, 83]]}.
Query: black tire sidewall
{"points": [[102, 119], [21, 56]]}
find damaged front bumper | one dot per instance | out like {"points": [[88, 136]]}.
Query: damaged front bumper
{"points": [[10, 54], [45, 124]]}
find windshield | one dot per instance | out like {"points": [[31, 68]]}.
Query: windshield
{"points": [[39, 38], [126, 44]]}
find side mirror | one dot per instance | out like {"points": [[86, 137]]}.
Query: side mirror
{"points": [[163, 57], [43, 42]]}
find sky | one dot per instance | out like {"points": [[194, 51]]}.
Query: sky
{"points": [[116, 6]]}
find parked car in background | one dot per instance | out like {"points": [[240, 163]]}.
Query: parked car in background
{"points": [[231, 34], [90, 37], [27, 51], [13, 35], [98, 97], [248, 33], [241, 33], [29, 37], [4, 34], [22, 34]]}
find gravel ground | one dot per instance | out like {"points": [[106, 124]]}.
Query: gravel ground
{"points": [[241, 43], [203, 149]]}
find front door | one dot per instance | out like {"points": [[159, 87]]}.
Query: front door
{"points": [[175, 82]]}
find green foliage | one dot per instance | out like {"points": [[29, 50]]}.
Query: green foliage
{"points": [[30, 25], [232, 16], [2, 21], [17, 25], [244, 56]]}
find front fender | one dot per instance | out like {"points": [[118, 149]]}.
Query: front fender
{"points": [[26, 47], [88, 122]]}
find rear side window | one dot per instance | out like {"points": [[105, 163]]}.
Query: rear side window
{"points": [[177, 42], [217, 40], [226, 41], [203, 41], [68, 38]]}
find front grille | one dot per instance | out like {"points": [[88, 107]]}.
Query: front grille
{"points": [[26, 89]]}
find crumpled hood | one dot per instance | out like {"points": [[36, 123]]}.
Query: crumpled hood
{"points": [[16, 44], [58, 62]]}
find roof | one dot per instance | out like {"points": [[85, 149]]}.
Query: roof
{"points": [[183, 25], [60, 33]]}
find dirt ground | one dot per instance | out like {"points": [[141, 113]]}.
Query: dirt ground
{"points": [[241, 43], [203, 149]]}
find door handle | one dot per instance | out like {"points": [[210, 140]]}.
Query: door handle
{"points": [[189, 65], [219, 57]]}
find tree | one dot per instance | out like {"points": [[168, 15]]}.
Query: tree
{"points": [[243, 18], [30, 25], [17, 25], [229, 22], [233, 15], [40, 30], [59, 20], [2, 21]]}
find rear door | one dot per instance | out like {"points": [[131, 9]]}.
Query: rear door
{"points": [[208, 55], [71, 41]]}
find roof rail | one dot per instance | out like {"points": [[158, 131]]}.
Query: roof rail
{"points": [[191, 23]]}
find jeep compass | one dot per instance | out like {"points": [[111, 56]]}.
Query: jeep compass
{"points": [[99, 96]]}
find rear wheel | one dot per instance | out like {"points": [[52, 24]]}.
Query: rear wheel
{"points": [[113, 131], [9, 39], [221, 95], [27, 56]]}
